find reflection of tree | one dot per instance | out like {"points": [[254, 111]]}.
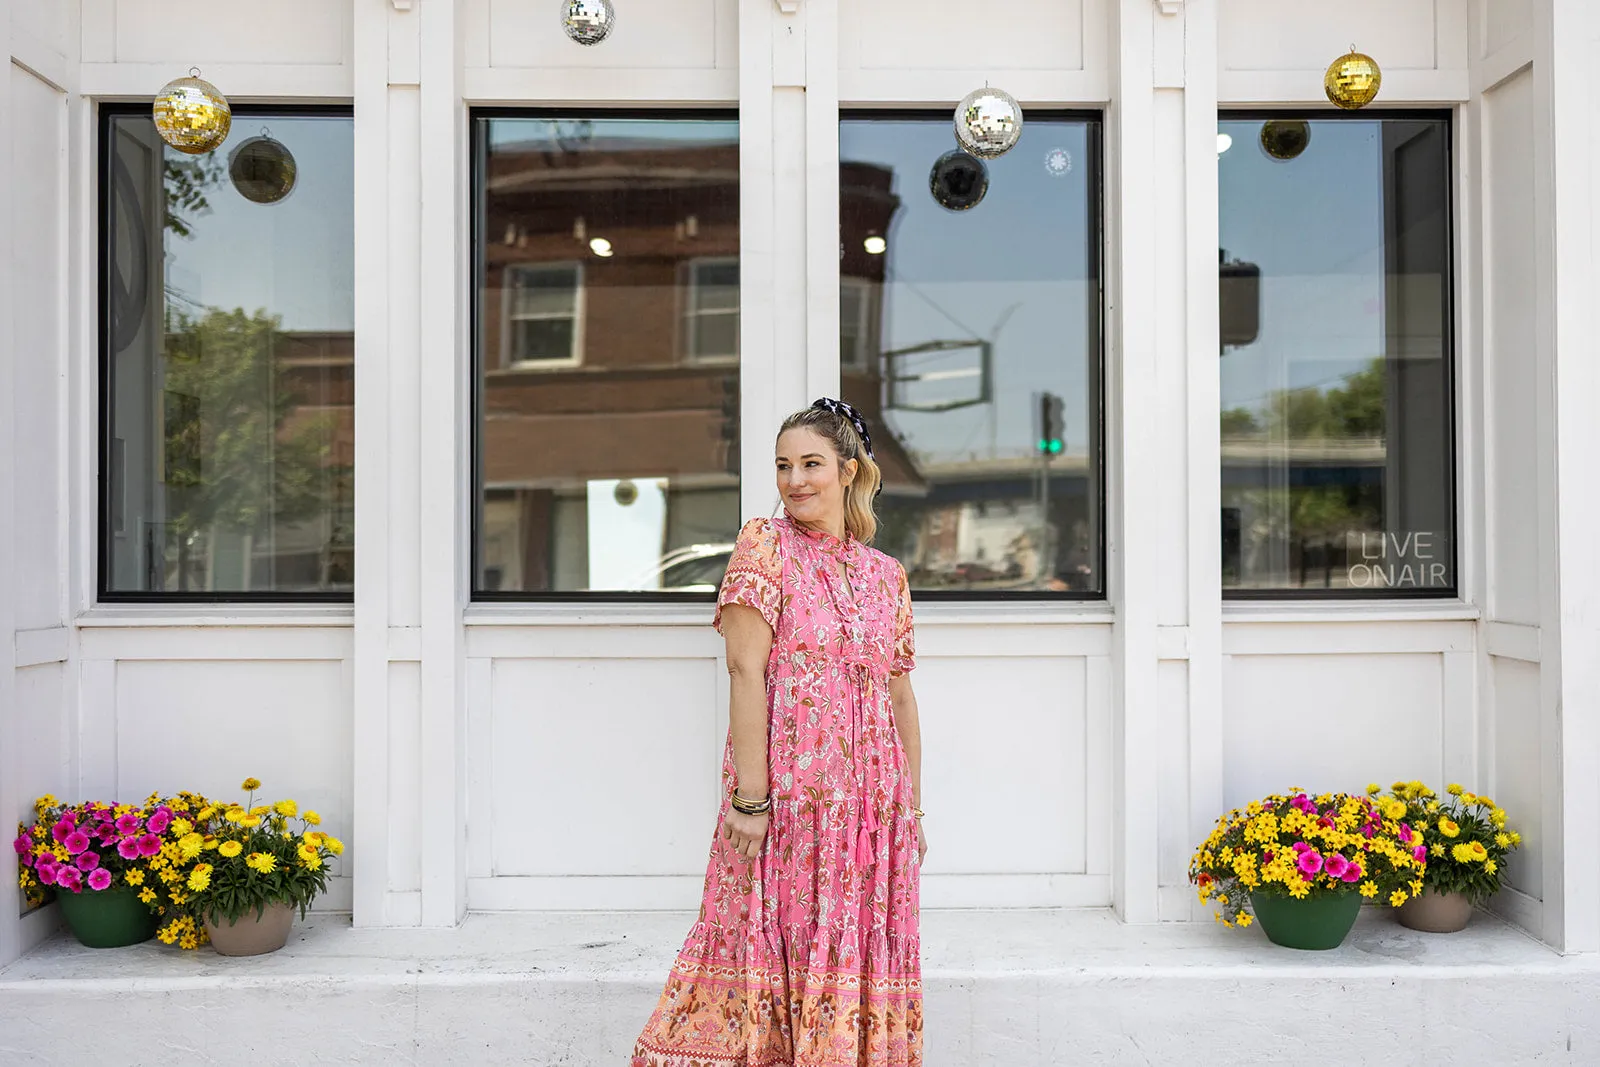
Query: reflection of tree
{"points": [[185, 182], [234, 462], [1313, 518]]}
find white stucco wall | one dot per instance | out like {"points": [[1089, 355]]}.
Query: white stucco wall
{"points": [[453, 745]]}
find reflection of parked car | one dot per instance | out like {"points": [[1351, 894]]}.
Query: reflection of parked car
{"points": [[690, 569]]}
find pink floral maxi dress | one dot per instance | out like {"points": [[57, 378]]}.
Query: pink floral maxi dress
{"points": [[810, 955]]}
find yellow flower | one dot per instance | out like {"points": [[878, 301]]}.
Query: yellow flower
{"points": [[234, 814], [1502, 840], [1498, 817], [316, 837], [45, 803], [313, 818], [1368, 890], [206, 812], [1394, 809], [262, 861], [250, 821], [1477, 851], [250, 785], [1516, 839], [148, 895], [311, 862], [261, 809], [1436, 850], [1469, 799], [230, 849], [211, 842], [179, 897], [1373, 789], [134, 876], [1449, 827], [1416, 888], [1422, 826], [191, 845], [182, 827], [1462, 853], [309, 851], [1486, 802], [1397, 898], [189, 941], [1244, 918], [1490, 866], [334, 845], [200, 877], [168, 935], [287, 808]]}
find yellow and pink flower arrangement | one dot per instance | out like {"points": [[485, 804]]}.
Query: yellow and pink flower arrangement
{"points": [[1300, 846], [1465, 833]]}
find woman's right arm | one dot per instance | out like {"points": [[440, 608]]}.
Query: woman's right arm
{"points": [[749, 643]]}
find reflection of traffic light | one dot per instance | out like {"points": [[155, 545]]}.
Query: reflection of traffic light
{"points": [[1239, 294], [730, 421], [1052, 435]]}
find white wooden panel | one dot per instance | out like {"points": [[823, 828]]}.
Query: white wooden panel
{"points": [[1272, 35], [956, 35], [41, 761], [37, 197], [206, 726], [1169, 418], [176, 32], [1021, 722], [403, 805], [663, 34], [1510, 351], [1329, 722], [603, 767], [46, 22], [217, 642], [1519, 781], [1172, 815], [1504, 21]]}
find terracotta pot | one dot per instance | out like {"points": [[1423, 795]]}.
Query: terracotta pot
{"points": [[1435, 913], [1319, 921], [250, 936]]}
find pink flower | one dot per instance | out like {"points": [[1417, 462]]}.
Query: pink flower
{"points": [[149, 845], [69, 878], [76, 841], [1266, 857], [1336, 865], [160, 820], [1405, 832], [1310, 862], [128, 824], [99, 879], [47, 871], [1420, 853], [88, 861], [1301, 846], [23, 844], [128, 848], [1352, 873], [62, 828]]}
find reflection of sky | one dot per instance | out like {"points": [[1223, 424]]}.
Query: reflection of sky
{"points": [[1315, 227], [573, 133], [294, 258], [1015, 269]]}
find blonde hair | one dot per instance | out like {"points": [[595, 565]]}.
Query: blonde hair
{"points": [[859, 518]]}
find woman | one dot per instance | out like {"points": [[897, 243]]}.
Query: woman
{"points": [[806, 952]]}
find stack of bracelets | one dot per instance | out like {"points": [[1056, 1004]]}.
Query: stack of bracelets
{"points": [[750, 807]]}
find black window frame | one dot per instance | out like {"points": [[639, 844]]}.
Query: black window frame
{"points": [[104, 448], [478, 119], [1094, 122], [1447, 119]]}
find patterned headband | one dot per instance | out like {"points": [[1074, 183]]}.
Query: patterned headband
{"points": [[848, 411]]}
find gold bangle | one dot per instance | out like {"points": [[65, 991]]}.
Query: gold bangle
{"points": [[916, 813]]}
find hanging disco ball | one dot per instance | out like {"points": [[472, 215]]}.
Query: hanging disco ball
{"points": [[588, 21], [190, 114], [1352, 80], [988, 123], [958, 181], [262, 169], [1284, 139]]}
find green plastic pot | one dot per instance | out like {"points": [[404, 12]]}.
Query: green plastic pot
{"points": [[110, 918], [1317, 922]]}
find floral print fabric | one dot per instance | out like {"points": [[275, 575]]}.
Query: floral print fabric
{"points": [[810, 955]]}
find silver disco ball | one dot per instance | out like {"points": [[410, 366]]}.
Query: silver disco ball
{"points": [[588, 21], [988, 123], [958, 181]]}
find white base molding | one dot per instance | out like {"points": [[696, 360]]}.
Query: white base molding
{"points": [[1018, 988]]}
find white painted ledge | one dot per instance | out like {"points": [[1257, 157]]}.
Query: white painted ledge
{"points": [[142, 615], [1348, 611], [1020, 988]]}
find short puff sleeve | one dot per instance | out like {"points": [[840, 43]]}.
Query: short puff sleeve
{"points": [[905, 637], [754, 578]]}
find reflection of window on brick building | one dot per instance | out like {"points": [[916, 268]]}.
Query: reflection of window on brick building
{"points": [[858, 322], [711, 309], [544, 314]]}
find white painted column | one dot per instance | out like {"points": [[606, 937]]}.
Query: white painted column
{"points": [[1134, 467], [822, 254], [760, 409], [1571, 132], [11, 803]]}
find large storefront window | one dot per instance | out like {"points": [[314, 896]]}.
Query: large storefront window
{"points": [[228, 327], [970, 333], [607, 373], [1337, 465]]}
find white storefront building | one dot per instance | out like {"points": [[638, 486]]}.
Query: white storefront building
{"points": [[532, 307]]}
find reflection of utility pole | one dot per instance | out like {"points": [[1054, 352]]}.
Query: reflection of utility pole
{"points": [[1052, 441]]}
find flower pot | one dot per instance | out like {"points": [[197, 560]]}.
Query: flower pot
{"points": [[1435, 912], [1319, 921], [110, 918], [251, 936]]}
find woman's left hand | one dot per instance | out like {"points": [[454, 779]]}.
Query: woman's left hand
{"points": [[922, 843]]}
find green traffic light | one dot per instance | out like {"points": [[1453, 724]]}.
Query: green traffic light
{"points": [[1044, 446], [1055, 447]]}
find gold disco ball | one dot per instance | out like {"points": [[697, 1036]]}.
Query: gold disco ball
{"points": [[191, 115], [1285, 139], [1352, 80]]}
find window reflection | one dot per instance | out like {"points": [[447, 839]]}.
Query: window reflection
{"points": [[229, 323], [1336, 385], [958, 333], [607, 352]]}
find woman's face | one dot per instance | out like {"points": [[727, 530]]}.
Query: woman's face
{"points": [[809, 478]]}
